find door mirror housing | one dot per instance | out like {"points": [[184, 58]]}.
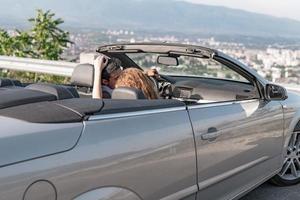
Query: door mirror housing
{"points": [[167, 60], [275, 92]]}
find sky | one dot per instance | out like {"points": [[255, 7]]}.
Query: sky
{"points": [[278, 8]]}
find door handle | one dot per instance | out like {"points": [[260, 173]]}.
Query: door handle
{"points": [[212, 134]]}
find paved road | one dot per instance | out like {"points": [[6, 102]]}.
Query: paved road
{"points": [[270, 192]]}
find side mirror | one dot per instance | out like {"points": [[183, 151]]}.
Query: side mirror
{"points": [[275, 92], [167, 60]]}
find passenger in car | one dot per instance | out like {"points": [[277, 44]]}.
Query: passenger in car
{"points": [[109, 76], [135, 78], [106, 73]]}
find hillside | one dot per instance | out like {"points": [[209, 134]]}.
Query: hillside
{"points": [[158, 15]]}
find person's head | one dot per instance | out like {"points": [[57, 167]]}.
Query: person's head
{"points": [[111, 72], [135, 78]]}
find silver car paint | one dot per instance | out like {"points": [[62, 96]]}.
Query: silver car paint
{"points": [[251, 134], [75, 171], [21, 140], [41, 189], [138, 158]]}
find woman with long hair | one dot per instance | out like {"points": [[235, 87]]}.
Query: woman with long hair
{"points": [[135, 78], [107, 71]]}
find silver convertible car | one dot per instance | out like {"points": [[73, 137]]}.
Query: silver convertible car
{"points": [[217, 131]]}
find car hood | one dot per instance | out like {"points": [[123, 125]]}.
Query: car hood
{"points": [[21, 141]]}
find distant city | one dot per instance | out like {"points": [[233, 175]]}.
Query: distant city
{"points": [[277, 62]]}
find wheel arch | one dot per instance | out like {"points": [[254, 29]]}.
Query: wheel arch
{"points": [[109, 192], [294, 125], [297, 127]]}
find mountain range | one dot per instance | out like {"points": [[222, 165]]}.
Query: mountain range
{"points": [[155, 15]]}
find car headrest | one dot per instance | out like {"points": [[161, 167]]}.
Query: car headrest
{"points": [[83, 75], [61, 92], [127, 93]]}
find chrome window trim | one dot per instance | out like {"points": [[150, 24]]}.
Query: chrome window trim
{"points": [[220, 104], [134, 113], [163, 110]]}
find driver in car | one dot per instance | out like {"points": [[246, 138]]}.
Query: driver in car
{"points": [[106, 72]]}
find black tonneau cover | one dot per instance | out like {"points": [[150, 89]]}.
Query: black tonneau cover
{"points": [[41, 107], [10, 97], [64, 111]]}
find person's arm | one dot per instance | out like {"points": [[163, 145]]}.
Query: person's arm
{"points": [[152, 73], [99, 63]]}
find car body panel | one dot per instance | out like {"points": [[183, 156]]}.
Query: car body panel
{"points": [[250, 133], [145, 146], [24, 141], [133, 152], [41, 189]]}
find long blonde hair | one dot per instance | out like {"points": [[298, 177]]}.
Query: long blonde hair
{"points": [[135, 78]]}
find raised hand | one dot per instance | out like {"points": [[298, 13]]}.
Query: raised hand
{"points": [[100, 63]]}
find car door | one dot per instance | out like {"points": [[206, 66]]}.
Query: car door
{"points": [[145, 146], [238, 144], [238, 134]]}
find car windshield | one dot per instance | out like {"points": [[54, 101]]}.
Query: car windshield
{"points": [[188, 66]]}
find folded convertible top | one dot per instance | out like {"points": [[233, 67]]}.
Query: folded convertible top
{"points": [[41, 107], [64, 111], [10, 97]]}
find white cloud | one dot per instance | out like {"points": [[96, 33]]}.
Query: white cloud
{"points": [[279, 8]]}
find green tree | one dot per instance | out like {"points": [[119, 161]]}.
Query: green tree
{"points": [[6, 43], [22, 45], [18, 45], [45, 40], [48, 40]]}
